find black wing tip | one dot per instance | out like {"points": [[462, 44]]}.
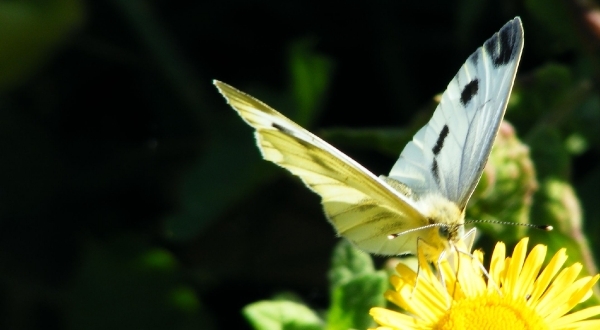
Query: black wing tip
{"points": [[515, 25], [506, 45], [514, 28]]}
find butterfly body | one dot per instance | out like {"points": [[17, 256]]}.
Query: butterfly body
{"points": [[422, 202], [435, 209]]}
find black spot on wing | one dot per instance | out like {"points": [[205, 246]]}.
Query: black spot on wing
{"points": [[282, 129], [469, 91], [439, 144], [502, 47], [435, 171]]}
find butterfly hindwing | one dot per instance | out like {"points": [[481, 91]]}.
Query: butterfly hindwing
{"points": [[449, 154], [361, 206]]}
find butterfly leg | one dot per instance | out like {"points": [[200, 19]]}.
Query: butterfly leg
{"points": [[481, 267]]}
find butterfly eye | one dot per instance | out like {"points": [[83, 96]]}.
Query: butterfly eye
{"points": [[444, 232]]}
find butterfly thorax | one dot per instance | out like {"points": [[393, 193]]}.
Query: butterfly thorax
{"points": [[439, 210], [435, 209]]}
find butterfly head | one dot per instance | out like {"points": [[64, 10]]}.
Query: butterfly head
{"points": [[446, 219], [450, 233]]}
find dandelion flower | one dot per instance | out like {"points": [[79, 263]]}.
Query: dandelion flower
{"points": [[517, 294]]}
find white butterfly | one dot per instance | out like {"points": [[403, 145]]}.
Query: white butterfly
{"points": [[426, 193]]}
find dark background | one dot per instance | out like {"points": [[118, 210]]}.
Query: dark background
{"points": [[133, 197]]}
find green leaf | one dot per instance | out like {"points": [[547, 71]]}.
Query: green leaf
{"points": [[348, 263], [351, 302], [31, 32], [281, 315], [355, 288], [310, 77], [124, 284]]}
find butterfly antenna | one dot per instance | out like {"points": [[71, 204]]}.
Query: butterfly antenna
{"points": [[540, 227], [392, 236]]}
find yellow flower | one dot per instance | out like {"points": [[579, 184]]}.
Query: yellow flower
{"points": [[518, 294]]}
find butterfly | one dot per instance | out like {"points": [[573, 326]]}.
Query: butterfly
{"points": [[424, 197]]}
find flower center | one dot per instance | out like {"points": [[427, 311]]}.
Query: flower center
{"points": [[490, 312]]}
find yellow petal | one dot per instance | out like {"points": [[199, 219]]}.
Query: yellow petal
{"points": [[545, 278], [496, 266], [550, 299], [530, 271], [515, 266], [395, 320], [583, 314]]}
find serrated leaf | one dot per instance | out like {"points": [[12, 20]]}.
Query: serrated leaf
{"points": [[347, 263], [351, 302], [280, 315]]}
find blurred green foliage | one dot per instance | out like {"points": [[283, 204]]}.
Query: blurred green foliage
{"points": [[131, 196], [355, 287], [31, 33]]}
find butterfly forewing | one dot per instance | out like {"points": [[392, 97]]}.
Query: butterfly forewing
{"points": [[435, 175], [449, 153], [361, 207]]}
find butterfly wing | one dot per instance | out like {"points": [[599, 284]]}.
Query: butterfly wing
{"points": [[362, 207], [449, 153]]}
